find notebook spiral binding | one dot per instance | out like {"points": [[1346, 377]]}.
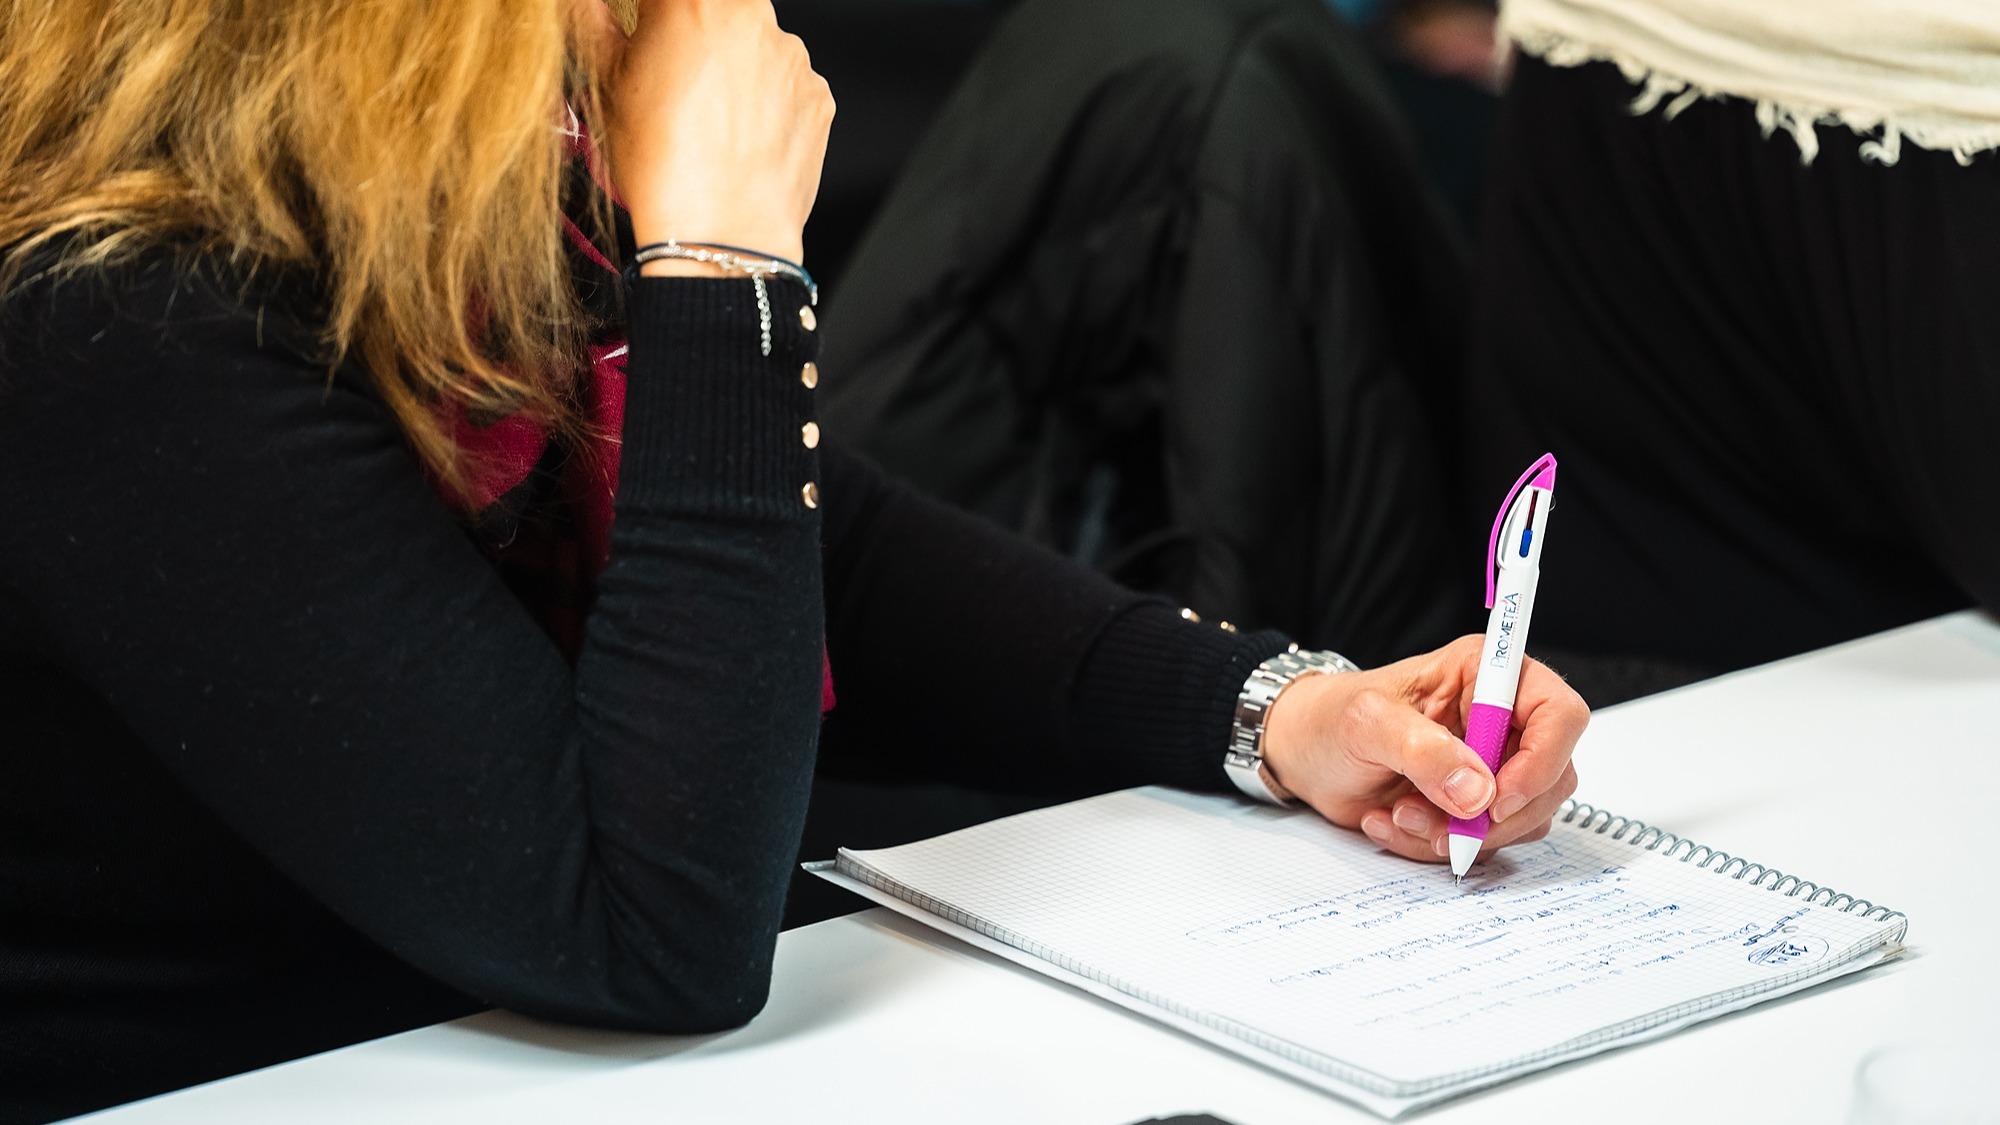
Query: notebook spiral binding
{"points": [[1639, 834]]}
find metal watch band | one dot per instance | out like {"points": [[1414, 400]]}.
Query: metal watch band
{"points": [[1244, 761]]}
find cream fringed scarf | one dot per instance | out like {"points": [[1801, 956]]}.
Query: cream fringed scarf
{"points": [[1925, 71]]}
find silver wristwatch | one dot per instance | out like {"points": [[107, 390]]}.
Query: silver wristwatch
{"points": [[1245, 760]]}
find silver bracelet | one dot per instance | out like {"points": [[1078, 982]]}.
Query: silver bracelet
{"points": [[732, 259], [1244, 761]]}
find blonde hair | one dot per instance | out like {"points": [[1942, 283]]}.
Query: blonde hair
{"points": [[409, 151]]}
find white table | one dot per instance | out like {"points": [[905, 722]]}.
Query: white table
{"points": [[1867, 766]]}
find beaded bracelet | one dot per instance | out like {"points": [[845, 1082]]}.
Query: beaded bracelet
{"points": [[731, 259]]}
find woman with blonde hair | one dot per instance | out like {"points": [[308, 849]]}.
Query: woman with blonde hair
{"points": [[401, 611]]}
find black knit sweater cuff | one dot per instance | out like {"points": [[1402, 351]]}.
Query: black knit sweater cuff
{"points": [[713, 425], [1155, 697]]}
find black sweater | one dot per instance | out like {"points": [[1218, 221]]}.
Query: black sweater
{"points": [[284, 765]]}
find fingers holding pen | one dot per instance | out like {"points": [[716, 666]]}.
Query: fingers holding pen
{"points": [[1419, 828], [1412, 827], [1376, 750], [1549, 719], [1397, 737], [1531, 821], [1353, 742]]}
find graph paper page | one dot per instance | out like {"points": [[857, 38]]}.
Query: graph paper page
{"points": [[1307, 940]]}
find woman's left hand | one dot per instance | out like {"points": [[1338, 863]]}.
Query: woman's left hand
{"points": [[716, 123], [1380, 750]]}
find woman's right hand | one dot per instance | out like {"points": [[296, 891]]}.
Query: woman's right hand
{"points": [[1380, 751], [717, 122]]}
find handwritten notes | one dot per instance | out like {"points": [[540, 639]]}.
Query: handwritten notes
{"points": [[1307, 940], [1562, 921]]}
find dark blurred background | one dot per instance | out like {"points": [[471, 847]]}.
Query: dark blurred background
{"points": [[891, 64]]}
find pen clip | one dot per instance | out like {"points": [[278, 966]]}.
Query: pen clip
{"points": [[1542, 475]]}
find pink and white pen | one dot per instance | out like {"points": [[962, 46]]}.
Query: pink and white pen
{"points": [[1513, 569]]}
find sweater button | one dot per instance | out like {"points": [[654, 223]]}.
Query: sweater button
{"points": [[810, 494], [808, 320], [809, 375], [810, 435], [1190, 615]]}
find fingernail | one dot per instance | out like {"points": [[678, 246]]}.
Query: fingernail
{"points": [[1469, 788], [1507, 806], [1414, 820], [1441, 845], [1376, 826]]}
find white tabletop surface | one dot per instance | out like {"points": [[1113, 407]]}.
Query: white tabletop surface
{"points": [[1869, 767]]}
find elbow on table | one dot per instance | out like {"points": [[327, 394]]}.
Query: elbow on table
{"points": [[666, 962], [722, 1010], [660, 1004]]}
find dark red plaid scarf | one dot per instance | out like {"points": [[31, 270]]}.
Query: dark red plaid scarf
{"points": [[540, 510]]}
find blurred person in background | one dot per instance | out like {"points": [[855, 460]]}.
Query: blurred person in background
{"points": [[1164, 287], [1739, 266]]}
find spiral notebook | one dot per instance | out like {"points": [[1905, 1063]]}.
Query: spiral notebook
{"points": [[1300, 945]]}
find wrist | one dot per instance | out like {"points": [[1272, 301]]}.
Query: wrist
{"points": [[1288, 728], [756, 265], [1264, 735], [680, 267], [760, 237]]}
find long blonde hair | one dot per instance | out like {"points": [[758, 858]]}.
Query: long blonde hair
{"points": [[409, 151]]}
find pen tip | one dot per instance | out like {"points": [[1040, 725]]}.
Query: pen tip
{"points": [[1458, 880]]}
